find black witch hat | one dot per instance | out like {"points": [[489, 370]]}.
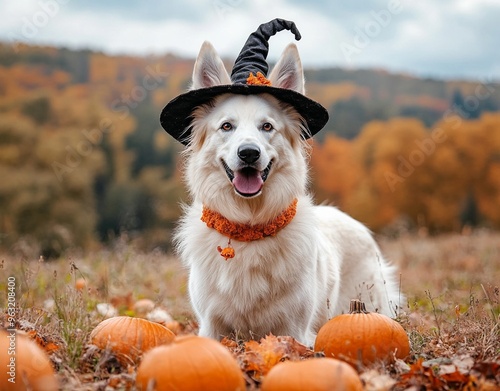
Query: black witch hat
{"points": [[176, 115]]}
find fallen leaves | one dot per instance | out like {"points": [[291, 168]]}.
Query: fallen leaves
{"points": [[489, 369], [258, 357], [45, 343], [461, 372], [446, 374], [375, 381]]}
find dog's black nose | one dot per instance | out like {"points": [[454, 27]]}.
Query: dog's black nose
{"points": [[249, 153]]}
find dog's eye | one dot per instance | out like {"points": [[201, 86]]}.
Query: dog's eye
{"points": [[267, 127], [226, 126]]}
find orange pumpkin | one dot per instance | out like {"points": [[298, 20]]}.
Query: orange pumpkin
{"points": [[80, 283], [128, 338], [317, 374], [29, 367], [190, 363], [361, 337]]}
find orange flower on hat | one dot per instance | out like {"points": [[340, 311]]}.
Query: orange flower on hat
{"points": [[259, 80]]}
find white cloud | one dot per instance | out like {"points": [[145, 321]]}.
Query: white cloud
{"points": [[449, 38]]}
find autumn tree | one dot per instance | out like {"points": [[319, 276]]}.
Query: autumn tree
{"points": [[487, 182], [47, 213], [336, 171]]}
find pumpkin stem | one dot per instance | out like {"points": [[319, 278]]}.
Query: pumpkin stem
{"points": [[357, 307]]}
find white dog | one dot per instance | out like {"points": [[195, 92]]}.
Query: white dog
{"points": [[246, 163]]}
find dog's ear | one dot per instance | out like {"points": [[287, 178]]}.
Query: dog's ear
{"points": [[288, 72], [209, 69]]}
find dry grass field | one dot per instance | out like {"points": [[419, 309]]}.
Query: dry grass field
{"points": [[452, 285]]}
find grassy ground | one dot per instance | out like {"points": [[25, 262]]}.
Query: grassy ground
{"points": [[452, 284]]}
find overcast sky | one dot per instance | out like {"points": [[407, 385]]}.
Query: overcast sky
{"points": [[440, 38]]}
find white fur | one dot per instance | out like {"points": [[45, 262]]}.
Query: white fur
{"points": [[289, 284]]}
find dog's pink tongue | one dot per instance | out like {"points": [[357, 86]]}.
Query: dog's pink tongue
{"points": [[247, 181]]}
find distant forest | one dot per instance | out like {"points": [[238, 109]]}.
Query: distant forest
{"points": [[83, 159]]}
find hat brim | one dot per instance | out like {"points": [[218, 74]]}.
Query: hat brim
{"points": [[176, 116]]}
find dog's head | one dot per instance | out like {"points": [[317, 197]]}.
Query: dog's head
{"points": [[245, 147]]}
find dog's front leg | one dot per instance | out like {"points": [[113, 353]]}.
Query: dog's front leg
{"points": [[207, 331], [205, 302], [211, 327]]}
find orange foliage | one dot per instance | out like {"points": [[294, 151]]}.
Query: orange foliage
{"points": [[336, 172], [102, 68], [423, 101], [398, 168], [18, 79], [260, 357], [330, 93], [436, 378]]}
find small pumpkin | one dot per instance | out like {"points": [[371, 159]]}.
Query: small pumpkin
{"points": [[80, 283], [190, 363], [128, 338], [29, 367], [362, 337], [316, 374]]}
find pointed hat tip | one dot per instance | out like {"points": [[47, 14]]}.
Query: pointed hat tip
{"points": [[252, 57]]}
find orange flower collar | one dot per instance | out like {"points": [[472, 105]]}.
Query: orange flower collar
{"points": [[246, 232]]}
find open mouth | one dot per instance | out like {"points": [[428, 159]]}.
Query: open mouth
{"points": [[247, 181]]}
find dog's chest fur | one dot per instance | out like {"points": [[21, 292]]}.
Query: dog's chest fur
{"points": [[267, 286]]}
